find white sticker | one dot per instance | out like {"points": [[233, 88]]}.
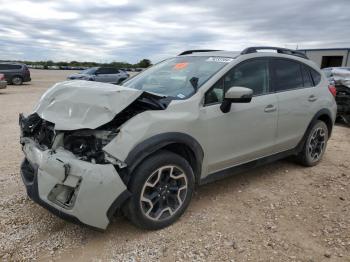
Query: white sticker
{"points": [[181, 96], [219, 59]]}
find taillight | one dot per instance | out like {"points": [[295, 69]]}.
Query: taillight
{"points": [[2, 77], [333, 90]]}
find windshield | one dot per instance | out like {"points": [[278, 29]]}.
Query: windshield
{"points": [[88, 71], [178, 77]]}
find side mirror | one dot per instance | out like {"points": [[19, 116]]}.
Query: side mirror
{"points": [[236, 94]]}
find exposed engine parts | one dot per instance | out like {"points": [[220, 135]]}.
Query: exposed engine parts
{"points": [[87, 144], [39, 130]]}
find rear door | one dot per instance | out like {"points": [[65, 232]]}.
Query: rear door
{"points": [[103, 74], [115, 76], [296, 97]]}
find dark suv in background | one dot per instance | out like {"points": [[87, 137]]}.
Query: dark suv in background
{"points": [[15, 73]]}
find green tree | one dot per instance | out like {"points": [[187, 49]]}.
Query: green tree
{"points": [[144, 63]]}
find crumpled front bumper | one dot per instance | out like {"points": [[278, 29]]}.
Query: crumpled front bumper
{"points": [[95, 191]]}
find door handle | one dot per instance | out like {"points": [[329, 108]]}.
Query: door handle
{"points": [[312, 98], [270, 108]]}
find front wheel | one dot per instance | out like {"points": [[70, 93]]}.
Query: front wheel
{"points": [[315, 145], [162, 188]]}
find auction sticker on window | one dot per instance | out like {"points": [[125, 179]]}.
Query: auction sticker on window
{"points": [[219, 59], [180, 66]]}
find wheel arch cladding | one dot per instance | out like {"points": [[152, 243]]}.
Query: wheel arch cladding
{"points": [[178, 143], [328, 121], [323, 115]]}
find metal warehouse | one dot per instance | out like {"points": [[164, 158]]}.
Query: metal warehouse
{"points": [[329, 57]]}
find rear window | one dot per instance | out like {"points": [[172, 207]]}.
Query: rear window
{"points": [[9, 67], [306, 76], [316, 77]]}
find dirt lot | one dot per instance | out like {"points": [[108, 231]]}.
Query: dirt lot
{"points": [[280, 212]]}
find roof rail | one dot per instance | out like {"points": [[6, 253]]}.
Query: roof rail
{"points": [[280, 50], [188, 52]]}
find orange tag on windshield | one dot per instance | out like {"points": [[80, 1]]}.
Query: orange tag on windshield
{"points": [[180, 66]]}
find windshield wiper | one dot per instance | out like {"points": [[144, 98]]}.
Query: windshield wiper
{"points": [[194, 82]]}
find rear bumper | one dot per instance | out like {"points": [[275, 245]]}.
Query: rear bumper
{"points": [[75, 190], [27, 78]]}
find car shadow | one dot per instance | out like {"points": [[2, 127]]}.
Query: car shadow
{"points": [[205, 195]]}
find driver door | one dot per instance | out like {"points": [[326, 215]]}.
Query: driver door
{"points": [[248, 131]]}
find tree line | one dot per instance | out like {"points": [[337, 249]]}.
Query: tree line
{"points": [[144, 63]]}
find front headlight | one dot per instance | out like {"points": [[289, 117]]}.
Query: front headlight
{"points": [[87, 144]]}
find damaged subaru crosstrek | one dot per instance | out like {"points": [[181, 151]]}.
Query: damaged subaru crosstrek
{"points": [[141, 148]]}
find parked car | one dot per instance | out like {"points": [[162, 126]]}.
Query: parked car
{"points": [[94, 148], [340, 78], [15, 73], [3, 82], [101, 74]]}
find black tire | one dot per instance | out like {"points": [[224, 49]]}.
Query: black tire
{"points": [[135, 207], [17, 80], [313, 151]]}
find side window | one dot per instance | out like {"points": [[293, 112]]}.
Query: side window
{"points": [[113, 71], [16, 67], [306, 76], [109, 71], [9, 66], [102, 70], [253, 74], [215, 94], [287, 75], [316, 77]]}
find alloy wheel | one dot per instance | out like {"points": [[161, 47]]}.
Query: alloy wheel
{"points": [[163, 193], [317, 144]]}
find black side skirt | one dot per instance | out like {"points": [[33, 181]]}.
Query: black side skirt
{"points": [[247, 166]]}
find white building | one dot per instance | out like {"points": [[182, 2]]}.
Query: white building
{"points": [[329, 57]]}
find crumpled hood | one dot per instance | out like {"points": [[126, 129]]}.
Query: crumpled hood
{"points": [[82, 104]]}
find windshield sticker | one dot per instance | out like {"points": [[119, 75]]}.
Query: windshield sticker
{"points": [[180, 66], [220, 59], [181, 96]]}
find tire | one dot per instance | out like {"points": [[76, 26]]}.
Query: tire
{"points": [[16, 80], [315, 145], [155, 203]]}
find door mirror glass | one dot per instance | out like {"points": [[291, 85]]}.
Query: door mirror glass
{"points": [[236, 94]]}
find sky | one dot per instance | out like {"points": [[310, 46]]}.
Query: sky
{"points": [[125, 30]]}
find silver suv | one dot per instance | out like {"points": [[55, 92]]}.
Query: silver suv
{"points": [[101, 74], [93, 148]]}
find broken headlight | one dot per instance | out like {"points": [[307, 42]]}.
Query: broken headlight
{"points": [[87, 144]]}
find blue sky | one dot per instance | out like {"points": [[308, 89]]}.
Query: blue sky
{"points": [[123, 30]]}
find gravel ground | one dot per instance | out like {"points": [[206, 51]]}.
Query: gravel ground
{"points": [[280, 212]]}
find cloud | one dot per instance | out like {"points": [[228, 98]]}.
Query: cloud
{"points": [[122, 30]]}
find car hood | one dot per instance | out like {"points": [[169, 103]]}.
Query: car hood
{"points": [[79, 104]]}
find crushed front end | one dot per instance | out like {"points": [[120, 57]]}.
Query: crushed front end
{"points": [[68, 172]]}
